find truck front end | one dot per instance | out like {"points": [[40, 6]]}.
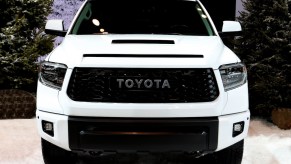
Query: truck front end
{"points": [[155, 77]]}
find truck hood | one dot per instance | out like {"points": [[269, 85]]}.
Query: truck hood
{"points": [[104, 51]]}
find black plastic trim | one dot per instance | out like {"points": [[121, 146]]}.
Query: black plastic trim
{"points": [[55, 32], [143, 134], [144, 55], [132, 41], [230, 34]]}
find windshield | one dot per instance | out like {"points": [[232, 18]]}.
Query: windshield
{"points": [[142, 17]]}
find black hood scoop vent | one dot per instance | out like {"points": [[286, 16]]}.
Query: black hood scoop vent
{"points": [[138, 41]]}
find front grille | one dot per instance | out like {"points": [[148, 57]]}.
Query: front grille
{"points": [[129, 86]]}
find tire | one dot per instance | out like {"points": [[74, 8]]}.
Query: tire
{"points": [[56, 155], [231, 155]]}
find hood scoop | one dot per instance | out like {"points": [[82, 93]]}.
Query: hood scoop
{"points": [[138, 41], [144, 55]]}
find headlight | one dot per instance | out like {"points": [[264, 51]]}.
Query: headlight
{"points": [[233, 75], [52, 74]]}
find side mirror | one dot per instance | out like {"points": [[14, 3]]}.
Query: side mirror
{"points": [[55, 27], [231, 28]]}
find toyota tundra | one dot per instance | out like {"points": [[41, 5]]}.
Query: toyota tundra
{"points": [[142, 76]]}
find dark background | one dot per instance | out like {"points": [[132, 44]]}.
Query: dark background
{"points": [[220, 10]]}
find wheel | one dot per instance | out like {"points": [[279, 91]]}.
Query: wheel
{"points": [[231, 155], [55, 155]]}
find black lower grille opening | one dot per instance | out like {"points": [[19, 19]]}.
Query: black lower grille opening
{"points": [[142, 85], [143, 134]]}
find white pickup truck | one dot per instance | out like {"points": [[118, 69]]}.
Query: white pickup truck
{"points": [[142, 76]]}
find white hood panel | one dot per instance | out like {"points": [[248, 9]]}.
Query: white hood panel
{"points": [[71, 51]]}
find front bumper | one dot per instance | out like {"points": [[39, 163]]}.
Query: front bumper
{"points": [[137, 134], [143, 135]]}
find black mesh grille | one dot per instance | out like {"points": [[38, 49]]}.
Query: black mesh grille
{"points": [[143, 85]]}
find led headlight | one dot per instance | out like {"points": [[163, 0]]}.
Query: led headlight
{"points": [[52, 74], [233, 75]]}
